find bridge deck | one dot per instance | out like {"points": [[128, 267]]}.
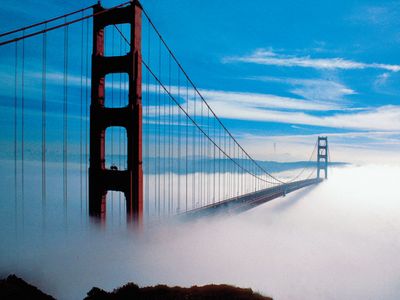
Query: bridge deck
{"points": [[248, 201]]}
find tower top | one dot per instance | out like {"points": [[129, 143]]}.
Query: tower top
{"points": [[322, 156]]}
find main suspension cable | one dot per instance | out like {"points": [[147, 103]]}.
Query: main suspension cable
{"points": [[45, 22], [25, 36]]}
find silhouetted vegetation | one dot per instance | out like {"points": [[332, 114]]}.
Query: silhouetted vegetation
{"points": [[207, 292], [15, 288]]}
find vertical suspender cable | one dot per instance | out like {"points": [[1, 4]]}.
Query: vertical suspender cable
{"points": [[156, 151], [221, 173], [201, 156], [164, 160], [81, 128], [230, 170], [208, 159], [44, 62], [194, 163], [228, 166], [87, 116], [112, 129], [168, 127], [124, 145], [220, 165], [147, 154], [187, 146], [225, 180], [120, 129], [205, 160], [206, 187], [159, 134], [65, 126], [155, 148], [236, 171], [170, 144], [179, 145], [15, 137], [240, 173], [23, 133], [214, 158]]}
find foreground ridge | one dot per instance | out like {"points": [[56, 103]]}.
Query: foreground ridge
{"points": [[158, 292], [14, 287]]}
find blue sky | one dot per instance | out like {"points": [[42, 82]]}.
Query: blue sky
{"points": [[282, 71]]}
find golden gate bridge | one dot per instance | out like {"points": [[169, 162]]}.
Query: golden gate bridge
{"points": [[96, 105]]}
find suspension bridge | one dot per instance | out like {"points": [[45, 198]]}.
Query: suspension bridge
{"points": [[96, 107]]}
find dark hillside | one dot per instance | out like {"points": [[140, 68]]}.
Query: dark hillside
{"points": [[15, 288], [163, 292]]}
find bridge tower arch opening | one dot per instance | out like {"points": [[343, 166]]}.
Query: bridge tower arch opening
{"points": [[322, 156], [102, 179]]}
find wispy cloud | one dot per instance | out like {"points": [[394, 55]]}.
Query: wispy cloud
{"points": [[380, 118], [378, 15], [269, 57], [248, 99], [266, 101], [313, 89], [381, 79], [271, 108]]}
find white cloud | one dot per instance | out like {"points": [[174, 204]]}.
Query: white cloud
{"points": [[266, 101], [271, 108], [247, 99], [380, 118], [313, 89], [268, 57], [381, 79]]}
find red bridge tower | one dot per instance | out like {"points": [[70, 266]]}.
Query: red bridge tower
{"points": [[102, 180], [322, 156]]}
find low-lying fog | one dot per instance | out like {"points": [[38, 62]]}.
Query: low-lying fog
{"points": [[337, 240]]}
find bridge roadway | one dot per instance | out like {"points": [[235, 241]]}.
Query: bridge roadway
{"points": [[250, 200]]}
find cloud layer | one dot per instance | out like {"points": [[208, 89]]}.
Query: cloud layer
{"points": [[269, 57], [271, 108], [312, 89]]}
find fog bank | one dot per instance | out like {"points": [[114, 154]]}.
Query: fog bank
{"points": [[337, 240]]}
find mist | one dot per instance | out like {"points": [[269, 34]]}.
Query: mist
{"points": [[337, 240]]}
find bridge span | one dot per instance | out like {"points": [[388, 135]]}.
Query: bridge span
{"points": [[248, 201]]}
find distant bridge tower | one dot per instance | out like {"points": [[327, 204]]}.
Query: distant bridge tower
{"points": [[322, 163], [102, 180]]}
